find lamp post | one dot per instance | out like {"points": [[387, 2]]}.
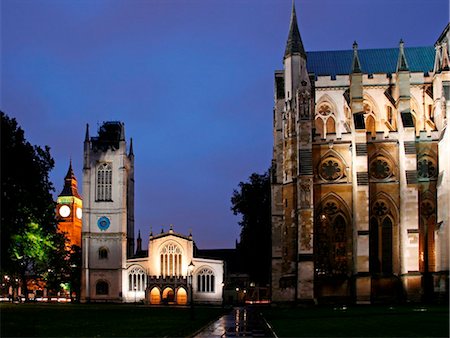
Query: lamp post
{"points": [[191, 289]]}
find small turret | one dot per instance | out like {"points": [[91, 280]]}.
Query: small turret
{"points": [[356, 65], [139, 243], [402, 65]]}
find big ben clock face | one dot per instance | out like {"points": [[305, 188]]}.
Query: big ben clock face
{"points": [[79, 213], [103, 223], [64, 211]]}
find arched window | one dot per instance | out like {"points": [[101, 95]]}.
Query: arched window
{"points": [[102, 288], [331, 125], [331, 241], [205, 280], [319, 127], [370, 126], [136, 279], [103, 253], [170, 260], [104, 182], [381, 239]]}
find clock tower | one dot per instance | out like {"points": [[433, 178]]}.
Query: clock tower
{"points": [[69, 209], [108, 221]]}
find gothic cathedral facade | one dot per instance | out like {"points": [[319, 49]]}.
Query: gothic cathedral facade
{"points": [[361, 174]]}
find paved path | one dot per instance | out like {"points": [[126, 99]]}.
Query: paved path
{"points": [[240, 322]]}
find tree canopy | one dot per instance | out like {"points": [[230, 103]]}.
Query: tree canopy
{"points": [[29, 237], [252, 202]]}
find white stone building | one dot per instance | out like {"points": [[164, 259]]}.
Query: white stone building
{"points": [[168, 272]]}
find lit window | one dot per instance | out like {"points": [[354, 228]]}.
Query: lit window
{"points": [[103, 253], [170, 260], [136, 279], [104, 182], [205, 280]]}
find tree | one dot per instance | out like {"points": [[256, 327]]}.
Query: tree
{"points": [[28, 226], [252, 201]]}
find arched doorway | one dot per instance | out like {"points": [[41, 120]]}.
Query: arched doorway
{"points": [[181, 296], [168, 295], [155, 296]]}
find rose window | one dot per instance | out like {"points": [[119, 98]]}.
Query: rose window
{"points": [[325, 110], [380, 169], [380, 208], [330, 170], [426, 168]]}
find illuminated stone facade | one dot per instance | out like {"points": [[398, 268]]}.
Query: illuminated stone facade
{"points": [[112, 270], [360, 177]]}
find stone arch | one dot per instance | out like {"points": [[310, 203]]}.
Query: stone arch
{"points": [[384, 235], [382, 158], [137, 278], [371, 125], [326, 99], [333, 238], [168, 295], [103, 252], [367, 98], [181, 297], [155, 295], [332, 160]]}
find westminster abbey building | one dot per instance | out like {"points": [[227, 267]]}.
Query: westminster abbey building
{"points": [[361, 173]]}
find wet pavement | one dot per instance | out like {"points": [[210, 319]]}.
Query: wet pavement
{"points": [[240, 322]]}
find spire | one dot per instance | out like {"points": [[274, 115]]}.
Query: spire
{"points": [[122, 132], [86, 138], [70, 184], [294, 43], [402, 65], [139, 243], [131, 153], [356, 65]]}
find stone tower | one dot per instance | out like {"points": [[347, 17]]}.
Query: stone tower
{"points": [[69, 209], [292, 210], [108, 226]]}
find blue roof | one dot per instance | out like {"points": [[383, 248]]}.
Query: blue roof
{"points": [[373, 61]]}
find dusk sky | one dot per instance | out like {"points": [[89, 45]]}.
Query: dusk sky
{"points": [[191, 79]]}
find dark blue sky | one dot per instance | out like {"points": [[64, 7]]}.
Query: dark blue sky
{"points": [[192, 80]]}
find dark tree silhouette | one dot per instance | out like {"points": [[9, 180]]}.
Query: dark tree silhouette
{"points": [[252, 202], [29, 238]]}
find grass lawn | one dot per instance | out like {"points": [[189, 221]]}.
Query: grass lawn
{"points": [[101, 320], [360, 321]]}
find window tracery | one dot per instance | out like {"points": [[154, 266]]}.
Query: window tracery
{"points": [[426, 168], [380, 168], [104, 182], [136, 279], [205, 280], [331, 241], [171, 260], [381, 238], [331, 169]]}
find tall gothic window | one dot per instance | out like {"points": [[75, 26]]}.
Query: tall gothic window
{"points": [[380, 239], [331, 242], [136, 279], [170, 260], [104, 182], [205, 280]]}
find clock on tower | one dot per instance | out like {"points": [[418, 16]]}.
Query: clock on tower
{"points": [[69, 209]]}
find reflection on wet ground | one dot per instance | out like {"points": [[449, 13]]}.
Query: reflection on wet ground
{"points": [[240, 322]]}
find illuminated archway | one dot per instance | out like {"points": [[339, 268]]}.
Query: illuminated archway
{"points": [[168, 295], [155, 296], [181, 296]]}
